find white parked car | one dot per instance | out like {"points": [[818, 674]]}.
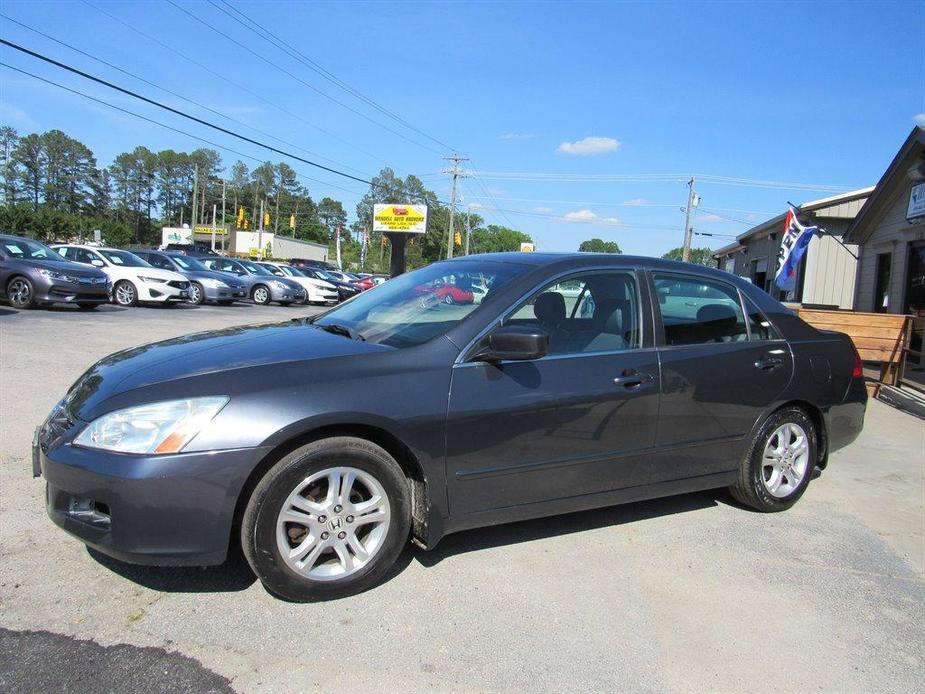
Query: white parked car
{"points": [[133, 279], [317, 291]]}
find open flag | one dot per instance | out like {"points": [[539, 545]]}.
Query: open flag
{"points": [[792, 247]]}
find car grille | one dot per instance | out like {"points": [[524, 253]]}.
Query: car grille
{"points": [[177, 284]]}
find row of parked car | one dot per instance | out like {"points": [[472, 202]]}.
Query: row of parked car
{"points": [[32, 273]]}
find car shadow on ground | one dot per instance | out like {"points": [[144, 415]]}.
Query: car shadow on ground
{"points": [[7, 311], [236, 575], [554, 526]]}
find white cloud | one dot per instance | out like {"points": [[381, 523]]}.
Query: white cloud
{"points": [[516, 136], [590, 146], [636, 202], [589, 216], [919, 119], [710, 217]]}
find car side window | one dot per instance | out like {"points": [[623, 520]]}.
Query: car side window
{"points": [[697, 310], [158, 260], [588, 312], [759, 325]]}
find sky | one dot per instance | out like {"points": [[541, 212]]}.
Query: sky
{"points": [[578, 119]]}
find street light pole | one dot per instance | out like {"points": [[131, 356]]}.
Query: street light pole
{"points": [[456, 174], [691, 202]]}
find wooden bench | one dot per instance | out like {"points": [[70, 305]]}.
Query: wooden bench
{"points": [[878, 337]]}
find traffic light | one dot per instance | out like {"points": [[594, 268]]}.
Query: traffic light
{"points": [[266, 219], [292, 221], [457, 239]]}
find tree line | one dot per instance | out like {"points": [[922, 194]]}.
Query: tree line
{"points": [[53, 188]]}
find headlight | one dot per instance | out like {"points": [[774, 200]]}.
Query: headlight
{"points": [[55, 275], [214, 283], [158, 427], [279, 285], [151, 279]]}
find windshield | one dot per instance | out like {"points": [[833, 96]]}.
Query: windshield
{"points": [[256, 269], [30, 250], [189, 264], [291, 271], [413, 308], [123, 258]]}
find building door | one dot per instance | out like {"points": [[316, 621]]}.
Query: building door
{"points": [[915, 279], [882, 282]]}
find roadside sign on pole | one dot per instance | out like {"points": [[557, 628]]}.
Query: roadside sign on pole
{"points": [[405, 219], [527, 247]]}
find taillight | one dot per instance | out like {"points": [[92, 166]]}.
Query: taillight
{"points": [[858, 371]]}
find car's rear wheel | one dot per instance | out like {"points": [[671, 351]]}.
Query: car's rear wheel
{"points": [[448, 299], [328, 520], [780, 462], [125, 293], [261, 295], [197, 294], [20, 293]]}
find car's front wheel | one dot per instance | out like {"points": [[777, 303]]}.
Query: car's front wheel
{"points": [[197, 294], [125, 293], [780, 462], [20, 293], [328, 520], [261, 295]]}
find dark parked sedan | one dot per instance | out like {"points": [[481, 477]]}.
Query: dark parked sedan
{"points": [[321, 446], [31, 274], [262, 285]]}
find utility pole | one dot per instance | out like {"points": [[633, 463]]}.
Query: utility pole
{"points": [[224, 228], [456, 174], [692, 202], [195, 196], [468, 230], [337, 246], [213, 228], [260, 233]]}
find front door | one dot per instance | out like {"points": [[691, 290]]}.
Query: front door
{"points": [[721, 369], [579, 421]]}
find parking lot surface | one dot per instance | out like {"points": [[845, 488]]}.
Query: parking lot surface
{"points": [[687, 594]]}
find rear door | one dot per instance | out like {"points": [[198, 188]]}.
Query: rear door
{"points": [[579, 421], [721, 369]]}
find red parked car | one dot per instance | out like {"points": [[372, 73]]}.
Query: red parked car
{"points": [[447, 293], [369, 281]]}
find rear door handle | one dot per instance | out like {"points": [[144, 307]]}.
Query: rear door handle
{"points": [[633, 379], [768, 363]]}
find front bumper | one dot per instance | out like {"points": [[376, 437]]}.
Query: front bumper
{"points": [[70, 293], [292, 295], [156, 510], [223, 293], [161, 291]]}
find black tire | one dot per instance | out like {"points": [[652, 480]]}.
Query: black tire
{"points": [[128, 296], [750, 489], [86, 305], [20, 293], [260, 295], [448, 299], [197, 294], [258, 525]]}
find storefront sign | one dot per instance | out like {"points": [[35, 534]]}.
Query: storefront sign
{"points": [[916, 202], [407, 219]]}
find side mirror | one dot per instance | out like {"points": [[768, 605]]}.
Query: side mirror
{"points": [[97, 263], [515, 343]]}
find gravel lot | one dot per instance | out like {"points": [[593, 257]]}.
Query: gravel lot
{"points": [[686, 594]]}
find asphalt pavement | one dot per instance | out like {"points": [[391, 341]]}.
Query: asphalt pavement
{"points": [[687, 594]]}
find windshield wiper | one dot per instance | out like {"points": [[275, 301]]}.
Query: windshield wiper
{"points": [[339, 329]]}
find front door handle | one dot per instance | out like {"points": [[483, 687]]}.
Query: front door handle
{"points": [[768, 363], [633, 379]]}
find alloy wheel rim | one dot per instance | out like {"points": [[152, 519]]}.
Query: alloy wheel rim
{"points": [[19, 293], [333, 523], [195, 293], [125, 294], [261, 295], [785, 461]]}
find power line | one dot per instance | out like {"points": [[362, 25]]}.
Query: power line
{"points": [[193, 61], [171, 92], [178, 112], [170, 127], [299, 79], [326, 74]]}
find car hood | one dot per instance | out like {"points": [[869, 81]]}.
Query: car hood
{"points": [[225, 277], [240, 347], [77, 269], [156, 272]]}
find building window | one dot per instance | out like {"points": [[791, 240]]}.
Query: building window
{"points": [[882, 285]]}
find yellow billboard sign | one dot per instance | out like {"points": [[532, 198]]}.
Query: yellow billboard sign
{"points": [[527, 247], [408, 219]]}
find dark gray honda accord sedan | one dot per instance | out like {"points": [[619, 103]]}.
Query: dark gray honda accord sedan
{"points": [[322, 446]]}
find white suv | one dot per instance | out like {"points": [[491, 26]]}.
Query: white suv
{"points": [[317, 291], [133, 279]]}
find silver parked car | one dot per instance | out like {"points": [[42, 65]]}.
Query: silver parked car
{"points": [[262, 286], [205, 284]]}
